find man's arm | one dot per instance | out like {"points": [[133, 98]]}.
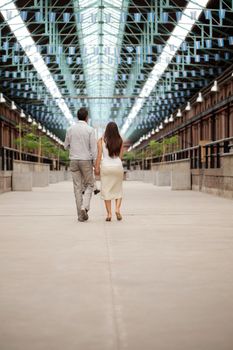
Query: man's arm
{"points": [[67, 140], [93, 145]]}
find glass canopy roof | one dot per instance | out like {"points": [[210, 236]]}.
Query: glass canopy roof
{"points": [[132, 61], [101, 30]]}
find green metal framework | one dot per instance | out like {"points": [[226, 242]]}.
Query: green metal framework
{"points": [[100, 53]]}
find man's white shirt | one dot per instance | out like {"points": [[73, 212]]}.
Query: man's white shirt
{"points": [[81, 142]]}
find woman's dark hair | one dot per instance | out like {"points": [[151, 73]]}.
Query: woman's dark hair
{"points": [[112, 139], [82, 114]]}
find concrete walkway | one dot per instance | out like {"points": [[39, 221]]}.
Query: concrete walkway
{"points": [[162, 279]]}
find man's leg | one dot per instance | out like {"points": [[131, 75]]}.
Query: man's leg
{"points": [[86, 168], [78, 186]]}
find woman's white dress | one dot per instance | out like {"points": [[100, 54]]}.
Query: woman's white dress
{"points": [[111, 175]]}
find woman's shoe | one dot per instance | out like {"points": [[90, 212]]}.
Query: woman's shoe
{"points": [[119, 217], [108, 219]]}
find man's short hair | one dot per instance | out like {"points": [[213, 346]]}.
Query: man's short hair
{"points": [[82, 114]]}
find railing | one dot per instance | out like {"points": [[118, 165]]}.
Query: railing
{"points": [[193, 154], [8, 155], [207, 156], [214, 151]]}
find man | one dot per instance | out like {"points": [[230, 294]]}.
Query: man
{"points": [[82, 145]]}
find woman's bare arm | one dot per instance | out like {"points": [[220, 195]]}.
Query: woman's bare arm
{"points": [[121, 151], [99, 156]]}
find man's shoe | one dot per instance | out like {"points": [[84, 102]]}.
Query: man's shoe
{"points": [[87, 217], [84, 214], [80, 219], [96, 192]]}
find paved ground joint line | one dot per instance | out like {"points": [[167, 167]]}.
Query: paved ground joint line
{"points": [[116, 320]]}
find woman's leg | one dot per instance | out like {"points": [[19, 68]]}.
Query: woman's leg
{"points": [[118, 205], [108, 208]]}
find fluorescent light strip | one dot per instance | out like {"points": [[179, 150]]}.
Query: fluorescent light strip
{"points": [[12, 16], [173, 44]]}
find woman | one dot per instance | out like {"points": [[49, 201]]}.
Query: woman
{"points": [[109, 166]]}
